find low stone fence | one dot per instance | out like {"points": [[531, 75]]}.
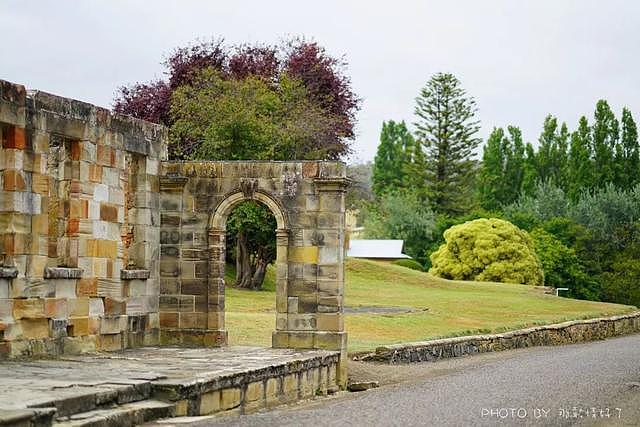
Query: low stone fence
{"points": [[558, 334]]}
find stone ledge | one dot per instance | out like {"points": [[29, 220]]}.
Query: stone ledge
{"points": [[134, 274], [62, 273], [557, 334], [29, 417], [8, 272], [339, 184]]}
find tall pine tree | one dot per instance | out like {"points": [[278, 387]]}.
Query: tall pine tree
{"points": [[447, 129]]}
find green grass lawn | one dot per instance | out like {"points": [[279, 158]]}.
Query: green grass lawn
{"points": [[453, 308]]}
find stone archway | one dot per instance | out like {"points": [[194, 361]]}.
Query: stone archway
{"points": [[217, 250], [307, 199]]}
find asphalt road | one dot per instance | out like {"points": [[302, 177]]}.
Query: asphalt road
{"points": [[539, 386]]}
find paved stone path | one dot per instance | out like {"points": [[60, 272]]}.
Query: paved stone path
{"points": [[508, 388], [30, 383]]}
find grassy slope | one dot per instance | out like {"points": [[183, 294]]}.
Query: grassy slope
{"points": [[454, 308]]}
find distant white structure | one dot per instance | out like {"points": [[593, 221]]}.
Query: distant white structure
{"points": [[376, 249], [351, 222]]}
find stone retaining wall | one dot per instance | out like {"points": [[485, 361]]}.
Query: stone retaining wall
{"points": [[557, 334], [253, 390]]}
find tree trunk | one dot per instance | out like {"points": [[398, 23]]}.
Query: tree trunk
{"points": [[243, 263], [258, 275], [240, 247]]}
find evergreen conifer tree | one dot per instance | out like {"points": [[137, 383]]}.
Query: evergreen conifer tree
{"points": [[447, 129]]}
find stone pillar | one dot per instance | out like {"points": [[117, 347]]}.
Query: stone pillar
{"points": [[330, 238], [282, 273], [17, 204], [216, 334]]}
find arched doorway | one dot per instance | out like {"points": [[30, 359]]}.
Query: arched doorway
{"points": [[217, 249]]}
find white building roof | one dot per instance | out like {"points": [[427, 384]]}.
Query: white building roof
{"points": [[376, 249]]}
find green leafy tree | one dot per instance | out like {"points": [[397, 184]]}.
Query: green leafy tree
{"points": [[491, 175], [392, 164], [516, 165], [530, 174], [250, 239], [562, 268], [628, 159], [545, 202], [580, 167], [552, 155], [402, 215], [620, 279], [246, 119], [545, 157], [622, 283], [605, 138], [501, 174], [607, 212], [488, 250], [447, 129]]}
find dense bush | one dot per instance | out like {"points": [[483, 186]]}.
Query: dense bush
{"points": [[622, 283], [409, 263], [546, 202], [488, 250], [601, 227], [608, 211], [562, 269], [445, 222]]}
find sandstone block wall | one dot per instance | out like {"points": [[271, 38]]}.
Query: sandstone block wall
{"points": [[105, 245], [79, 226]]}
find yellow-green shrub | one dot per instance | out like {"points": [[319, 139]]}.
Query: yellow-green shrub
{"points": [[487, 250]]}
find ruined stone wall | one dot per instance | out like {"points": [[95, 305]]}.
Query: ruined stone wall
{"points": [[79, 226]]}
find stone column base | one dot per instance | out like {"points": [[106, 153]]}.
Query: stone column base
{"points": [[336, 341], [194, 337], [310, 340]]}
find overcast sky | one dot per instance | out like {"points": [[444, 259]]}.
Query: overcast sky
{"points": [[520, 59]]}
